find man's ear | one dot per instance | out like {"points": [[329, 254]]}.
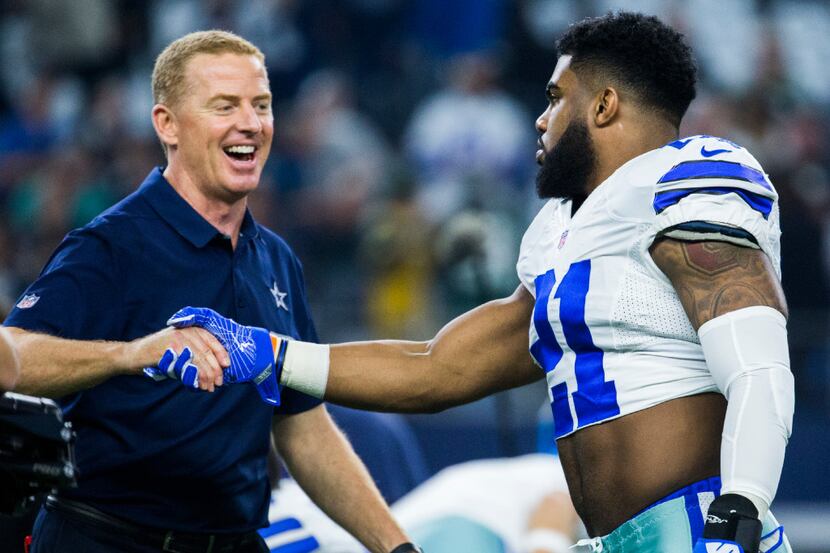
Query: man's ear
{"points": [[606, 106], [166, 125]]}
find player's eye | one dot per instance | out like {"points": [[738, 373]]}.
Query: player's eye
{"points": [[551, 96]]}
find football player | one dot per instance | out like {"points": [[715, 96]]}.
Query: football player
{"points": [[651, 284]]}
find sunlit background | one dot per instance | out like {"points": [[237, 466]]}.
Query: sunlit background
{"points": [[403, 163]]}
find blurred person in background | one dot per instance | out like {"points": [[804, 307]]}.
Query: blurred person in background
{"points": [[460, 157], [651, 280], [163, 467], [396, 253], [517, 504], [507, 505]]}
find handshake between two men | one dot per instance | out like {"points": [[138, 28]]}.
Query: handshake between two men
{"points": [[256, 355]]}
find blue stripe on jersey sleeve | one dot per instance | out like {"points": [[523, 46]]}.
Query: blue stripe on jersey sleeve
{"points": [[280, 526], [302, 546], [702, 169], [759, 203]]}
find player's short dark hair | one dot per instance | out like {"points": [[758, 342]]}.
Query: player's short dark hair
{"points": [[638, 52]]}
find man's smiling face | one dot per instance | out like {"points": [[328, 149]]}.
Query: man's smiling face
{"points": [[224, 124]]}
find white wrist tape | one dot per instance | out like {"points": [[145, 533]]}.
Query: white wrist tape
{"points": [[545, 539], [747, 355], [306, 367]]}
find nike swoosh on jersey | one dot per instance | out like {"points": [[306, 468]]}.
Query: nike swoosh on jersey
{"points": [[709, 153], [680, 144]]}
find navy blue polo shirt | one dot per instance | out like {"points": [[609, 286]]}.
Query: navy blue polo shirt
{"points": [[152, 452]]}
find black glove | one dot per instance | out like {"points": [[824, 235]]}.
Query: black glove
{"points": [[407, 548], [734, 518]]}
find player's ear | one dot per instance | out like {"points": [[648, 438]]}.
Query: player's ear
{"points": [[165, 124], [606, 106]]}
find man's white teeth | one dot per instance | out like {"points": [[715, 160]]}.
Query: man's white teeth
{"points": [[240, 149]]}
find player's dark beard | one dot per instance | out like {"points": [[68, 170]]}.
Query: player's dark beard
{"points": [[566, 169]]}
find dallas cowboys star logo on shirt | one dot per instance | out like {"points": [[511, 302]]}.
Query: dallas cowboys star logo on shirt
{"points": [[279, 297]]}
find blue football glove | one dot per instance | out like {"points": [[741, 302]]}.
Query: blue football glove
{"points": [[176, 366], [251, 349]]}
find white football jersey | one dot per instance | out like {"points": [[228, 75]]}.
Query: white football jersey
{"points": [[608, 327], [499, 494]]}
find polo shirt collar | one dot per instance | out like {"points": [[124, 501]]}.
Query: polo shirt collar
{"points": [[249, 228], [180, 215]]}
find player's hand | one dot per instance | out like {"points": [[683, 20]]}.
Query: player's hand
{"points": [[193, 356], [732, 526], [252, 350]]}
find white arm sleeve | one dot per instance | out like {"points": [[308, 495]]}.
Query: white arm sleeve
{"points": [[747, 355]]}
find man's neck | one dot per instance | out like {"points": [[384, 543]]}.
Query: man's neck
{"points": [[623, 143], [225, 217]]}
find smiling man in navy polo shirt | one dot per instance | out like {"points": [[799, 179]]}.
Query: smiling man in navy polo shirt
{"points": [[165, 466]]}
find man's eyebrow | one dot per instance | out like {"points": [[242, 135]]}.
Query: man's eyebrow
{"points": [[227, 97], [234, 99]]}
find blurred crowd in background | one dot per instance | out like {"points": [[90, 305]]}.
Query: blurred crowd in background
{"points": [[403, 161]]}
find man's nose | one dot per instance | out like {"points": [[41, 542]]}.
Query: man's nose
{"points": [[248, 120], [542, 122]]}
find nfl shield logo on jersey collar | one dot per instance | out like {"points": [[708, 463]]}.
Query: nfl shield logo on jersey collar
{"points": [[279, 297], [562, 239]]}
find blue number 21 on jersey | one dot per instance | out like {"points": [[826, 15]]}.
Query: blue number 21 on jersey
{"points": [[594, 399]]}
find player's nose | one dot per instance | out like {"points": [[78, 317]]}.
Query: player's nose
{"points": [[542, 122]]}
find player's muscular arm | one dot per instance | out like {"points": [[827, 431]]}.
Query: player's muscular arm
{"points": [[734, 299], [714, 278], [481, 352]]}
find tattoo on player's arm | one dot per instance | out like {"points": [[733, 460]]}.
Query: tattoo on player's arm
{"points": [[713, 278]]}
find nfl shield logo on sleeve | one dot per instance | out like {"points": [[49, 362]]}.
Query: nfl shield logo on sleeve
{"points": [[28, 301]]}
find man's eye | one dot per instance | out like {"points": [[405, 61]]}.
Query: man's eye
{"points": [[224, 108]]}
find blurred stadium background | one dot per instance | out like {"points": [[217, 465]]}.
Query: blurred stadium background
{"points": [[403, 162]]}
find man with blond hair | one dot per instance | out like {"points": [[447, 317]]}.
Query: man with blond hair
{"points": [[165, 466]]}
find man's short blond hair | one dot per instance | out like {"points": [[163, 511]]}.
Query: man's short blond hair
{"points": [[169, 84]]}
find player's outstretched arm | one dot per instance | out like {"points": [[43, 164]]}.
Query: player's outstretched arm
{"points": [[323, 463], [55, 367], [481, 352], [9, 364], [734, 299]]}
